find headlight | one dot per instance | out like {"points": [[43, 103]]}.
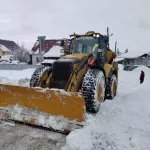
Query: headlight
{"points": [[94, 35], [97, 35]]}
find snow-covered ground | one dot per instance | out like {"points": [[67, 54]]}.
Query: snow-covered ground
{"points": [[121, 124]]}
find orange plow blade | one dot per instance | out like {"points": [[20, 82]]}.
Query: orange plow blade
{"points": [[57, 109]]}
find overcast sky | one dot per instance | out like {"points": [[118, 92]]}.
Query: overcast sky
{"points": [[128, 20]]}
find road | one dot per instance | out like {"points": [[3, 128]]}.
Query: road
{"points": [[22, 137]]}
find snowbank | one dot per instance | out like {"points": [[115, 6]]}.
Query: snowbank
{"points": [[121, 124], [55, 51], [15, 74], [25, 114], [15, 77], [120, 67]]}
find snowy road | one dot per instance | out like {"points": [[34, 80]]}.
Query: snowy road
{"points": [[121, 124], [21, 137]]}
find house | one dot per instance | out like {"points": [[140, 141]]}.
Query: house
{"points": [[11, 45], [37, 56], [4, 50], [48, 44], [132, 60]]}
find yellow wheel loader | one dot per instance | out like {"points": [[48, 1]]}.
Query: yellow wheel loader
{"points": [[75, 84]]}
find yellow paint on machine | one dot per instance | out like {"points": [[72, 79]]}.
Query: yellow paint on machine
{"points": [[54, 102], [107, 68], [79, 55]]}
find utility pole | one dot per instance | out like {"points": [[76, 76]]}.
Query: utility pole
{"points": [[115, 46], [108, 36]]}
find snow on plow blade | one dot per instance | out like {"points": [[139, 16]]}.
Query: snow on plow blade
{"points": [[54, 109]]}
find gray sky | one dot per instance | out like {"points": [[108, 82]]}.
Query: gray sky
{"points": [[128, 20]]}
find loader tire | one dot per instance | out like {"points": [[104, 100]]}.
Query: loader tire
{"points": [[36, 76], [93, 89], [112, 87]]}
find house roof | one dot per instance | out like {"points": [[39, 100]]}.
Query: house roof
{"points": [[4, 48], [55, 51], [48, 44], [133, 54], [11, 45]]}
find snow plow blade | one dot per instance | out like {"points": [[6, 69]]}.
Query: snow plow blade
{"points": [[50, 108]]}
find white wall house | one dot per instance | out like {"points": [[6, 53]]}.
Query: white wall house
{"points": [[37, 59]]}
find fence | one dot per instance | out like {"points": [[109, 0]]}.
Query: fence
{"points": [[17, 66]]}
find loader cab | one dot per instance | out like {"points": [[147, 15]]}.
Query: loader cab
{"points": [[95, 44]]}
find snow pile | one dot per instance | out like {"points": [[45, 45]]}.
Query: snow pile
{"points": [[28, 115], [121, 124], [120, 67], [55, 51], [16, 77], [16, 74], [14, 62]]}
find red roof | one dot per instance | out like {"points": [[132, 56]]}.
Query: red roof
{"points": [[48, 44]]}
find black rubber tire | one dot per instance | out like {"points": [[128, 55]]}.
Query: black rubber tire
{"points": [[109, 91], [91, 81], [36, 76]]}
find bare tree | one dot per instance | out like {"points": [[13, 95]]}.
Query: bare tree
{"points": [[21, 54]]}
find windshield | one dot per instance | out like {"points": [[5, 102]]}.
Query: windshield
{"points": [[84, 45]]}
